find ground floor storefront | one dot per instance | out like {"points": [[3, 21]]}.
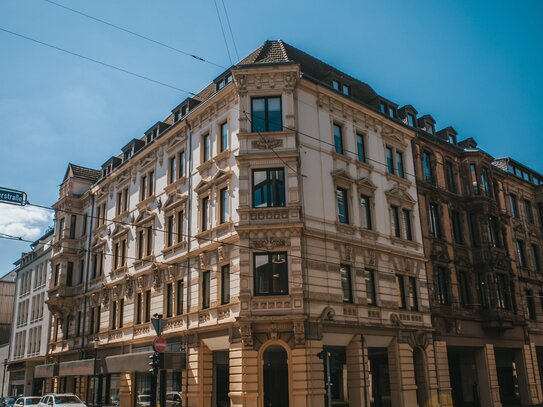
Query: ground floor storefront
{"points": [[22, 380]]}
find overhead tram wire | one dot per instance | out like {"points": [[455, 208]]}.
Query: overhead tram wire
{"points": [[223, 34], [98, 62], [230, 29], [198, 58], [188, 236], [355, 154]]}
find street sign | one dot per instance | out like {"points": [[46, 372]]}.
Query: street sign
{"points": [[158, 324], [13, 197], [159, 345]]}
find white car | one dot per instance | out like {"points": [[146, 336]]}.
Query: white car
{"points": [[143, 400], [26, 401], [65, 400]]}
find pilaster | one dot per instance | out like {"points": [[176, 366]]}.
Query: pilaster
{"points": [[243, 376], [489, 388]]}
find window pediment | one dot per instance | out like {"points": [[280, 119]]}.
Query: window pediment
{"points": [[174, 200], [144, 217], [119, 230], [400, 196], [99, 242], [393, 138], [365, 184], [202, 186], [342, 176], [221, 176]]}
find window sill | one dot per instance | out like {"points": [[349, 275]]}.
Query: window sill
{"points": [[345, 228], [341, 157], [223, 155], [145, 203], [396, 178], [172, 186], [363, 164], [121, 216], [174, 248], [404, 242], [205, 166], [144, 260], [369, 233], [118, 271]]}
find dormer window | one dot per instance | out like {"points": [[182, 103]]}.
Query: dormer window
{"points": [[411, 119], [341, 87], [335, 85], [148, 138], [127, 154], [387, 109], [346, 89], [184, 110], [452, 138], [223, 81]]}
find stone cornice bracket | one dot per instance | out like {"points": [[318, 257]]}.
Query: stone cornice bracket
{"points": [[220, 253], [246, 332], [299, 332], [241, 82], [157, 278], [327, 314]]}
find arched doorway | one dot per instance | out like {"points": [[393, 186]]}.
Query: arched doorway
{"points": [[275, 374], [419, 363]]}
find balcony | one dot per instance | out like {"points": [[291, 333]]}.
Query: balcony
{"points": [[497, 319]]}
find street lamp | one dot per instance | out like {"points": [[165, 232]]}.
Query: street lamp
{"points": [[95, 343]]}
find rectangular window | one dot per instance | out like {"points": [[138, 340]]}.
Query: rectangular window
{"points": [[464, 289], [147, 306], [169, 231], [342, 205], [169, 299], [514, 206], [225, 284], [98, 314], [482, 291], [149, 243], [457, 227], [493, 232], [521, 255], [390, 160], [535, 256], [151, 185], [371, 295], [206, 155], [474, 228], [179, 297], [528, 211], [474, 178], [224, 137], [116, 255], [502, 292], [125, 199], [360, 148], [395, 221], [335, 85], [119, 203], [271, 274], [224, 209], [205, 213], [435, 224], [121, 313], [485, 182], [181, 164], [266, 114], [338, 138], [531, 304], [140, 253], [84, 228], [411, 120], [406, 215], [365, 204], [172, 170], [449, 176], [139, 308], [442, 286], [114, 315], [346, 284], [143, 187], [402, 298], [427, 167], [180, 229], [69, 274], [346, 90], [269, 188], [412, 299], [206, 289], [81, 271], [399, 164], [61, 228], [73, 221]]}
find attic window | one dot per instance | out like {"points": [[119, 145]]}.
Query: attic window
{"points": [[338, 86], [452, 139], [128, 154], [346, 89], [387, 109], [335, 85], [224, 81], [411, 119], [148, 137]]}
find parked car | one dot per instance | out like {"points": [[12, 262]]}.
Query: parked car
{"points": [[65, 400], [27, 401], [143, 400], [174, 399], [8, 401]]}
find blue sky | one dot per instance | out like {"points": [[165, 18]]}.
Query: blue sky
{"points": [[473, 65]]}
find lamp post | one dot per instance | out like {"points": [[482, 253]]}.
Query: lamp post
{"points": [[95, 343], [4, 376]]}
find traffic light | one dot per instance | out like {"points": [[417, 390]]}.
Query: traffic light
{"points": [[154, 363]]}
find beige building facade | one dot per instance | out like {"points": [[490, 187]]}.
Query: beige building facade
{"points": [[272, 220]]}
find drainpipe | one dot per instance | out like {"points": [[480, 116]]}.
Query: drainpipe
{"points": [[188, 269], [87, 270]]}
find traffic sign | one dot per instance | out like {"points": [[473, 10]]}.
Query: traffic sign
{"points": [[11, 196], [158, 324], [159, 345]]}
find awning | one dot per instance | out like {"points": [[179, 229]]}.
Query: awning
{"points": [[139, 362], [83, 367], [47, 370]]}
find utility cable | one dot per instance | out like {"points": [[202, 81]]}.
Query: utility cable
{"points": [[198, 58], [230, 29], [223, 34]]}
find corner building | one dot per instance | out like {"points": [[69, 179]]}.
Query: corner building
{"points": [[269, 218]]}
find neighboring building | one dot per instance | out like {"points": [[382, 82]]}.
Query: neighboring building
{"points": [[31, 320], [7, 295], [272, 216], [4, 373]]}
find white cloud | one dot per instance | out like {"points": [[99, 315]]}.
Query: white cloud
{"points": [[28, 222]]}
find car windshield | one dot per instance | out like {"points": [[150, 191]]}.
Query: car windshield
{"points": [[67, 400], [32, 400], [144, 398]]}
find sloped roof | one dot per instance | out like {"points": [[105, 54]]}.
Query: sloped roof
{"points": [[277, 51], [78, 171]]}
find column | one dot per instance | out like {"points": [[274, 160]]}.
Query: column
{"points": [[402, 374], [489, 388], [528, 375], [444, 389], [243, 376], [126, 389], [206, 375], [192, 398], [307, 382], [357, 371]]}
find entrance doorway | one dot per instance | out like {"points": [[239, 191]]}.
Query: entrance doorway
{"points": [[276, 392], [419, 363], [379, 377], [463, 374], [222, 378], [506, 369]]}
